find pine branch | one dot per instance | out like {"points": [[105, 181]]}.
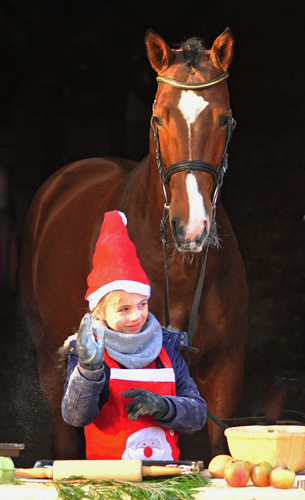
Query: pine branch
{"points": [[176, 488]]}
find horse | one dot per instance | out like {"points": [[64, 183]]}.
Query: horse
{"points": [[180, 177]]}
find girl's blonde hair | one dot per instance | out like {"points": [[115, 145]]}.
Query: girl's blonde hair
{"points": [[111, 299]]}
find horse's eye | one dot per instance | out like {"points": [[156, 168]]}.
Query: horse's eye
{"points": [[223, 121]]}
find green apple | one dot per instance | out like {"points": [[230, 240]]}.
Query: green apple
{"points": [[7, 469]]}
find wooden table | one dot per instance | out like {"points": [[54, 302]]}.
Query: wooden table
{"points": [[28, 491], [219, 490]]}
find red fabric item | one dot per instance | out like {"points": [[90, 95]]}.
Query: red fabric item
{"points": [[115, 262], [113, 436]]}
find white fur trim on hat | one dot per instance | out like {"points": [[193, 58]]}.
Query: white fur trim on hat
{"points": [[124, 218], [125, 285]]}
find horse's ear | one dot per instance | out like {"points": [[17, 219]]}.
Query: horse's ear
{"points": [[159, 53], [221, 52]]}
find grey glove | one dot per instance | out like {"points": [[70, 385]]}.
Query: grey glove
{"points": [[145, 403], [90, 350]]}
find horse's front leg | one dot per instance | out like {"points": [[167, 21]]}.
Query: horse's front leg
{"points": [[221, 388], [68, 441]]}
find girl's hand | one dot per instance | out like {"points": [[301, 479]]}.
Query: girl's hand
{"points": [[145, 403], [90, 344]]}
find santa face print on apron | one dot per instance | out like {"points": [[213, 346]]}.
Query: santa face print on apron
{"points": [[113, 436]]}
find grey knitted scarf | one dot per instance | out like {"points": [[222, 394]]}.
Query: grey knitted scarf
{"points": [[135, 350]]}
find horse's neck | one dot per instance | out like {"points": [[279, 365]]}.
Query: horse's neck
{"points": [[143, 199]]}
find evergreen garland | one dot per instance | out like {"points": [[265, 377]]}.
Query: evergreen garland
{"points": [[175, 488]]}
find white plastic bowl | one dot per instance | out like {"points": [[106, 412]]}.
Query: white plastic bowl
{"points": [[276, 444]]}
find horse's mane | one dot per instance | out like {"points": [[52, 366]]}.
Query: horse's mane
{"points": [[190, 49]]}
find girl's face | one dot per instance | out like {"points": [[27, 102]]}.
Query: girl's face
{"points": [[129, 314]]}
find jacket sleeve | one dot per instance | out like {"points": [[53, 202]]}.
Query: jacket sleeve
{"points": [[188, 410], [85, 392]]}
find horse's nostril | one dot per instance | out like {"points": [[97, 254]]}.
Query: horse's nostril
{"points": [[173, 224], [177, 230], [198, 239]]}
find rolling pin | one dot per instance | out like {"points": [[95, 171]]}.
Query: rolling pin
{"points": [[118, 470]]}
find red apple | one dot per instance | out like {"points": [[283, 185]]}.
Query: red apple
{"points": [[282, 476], [236, 473], [260, 474], [217, 465]]}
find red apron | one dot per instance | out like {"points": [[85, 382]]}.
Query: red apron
{"points": [[113, 436]]}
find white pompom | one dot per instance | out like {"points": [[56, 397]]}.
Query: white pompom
{"points": [[124, 218]]}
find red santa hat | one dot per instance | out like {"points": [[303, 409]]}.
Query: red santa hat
{"points": [[115, 262]]}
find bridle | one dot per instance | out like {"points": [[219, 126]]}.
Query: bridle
{"points": [[189, 165]]}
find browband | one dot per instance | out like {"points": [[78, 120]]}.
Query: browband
{"points": [[192, 86]]}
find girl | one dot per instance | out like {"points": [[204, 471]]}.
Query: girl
{"points": [[127, 383]]}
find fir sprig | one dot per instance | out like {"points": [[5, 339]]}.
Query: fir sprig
{"points": [[175, 488]]}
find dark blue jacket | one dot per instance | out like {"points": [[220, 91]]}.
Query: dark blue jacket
{"points": [[85, 392]]}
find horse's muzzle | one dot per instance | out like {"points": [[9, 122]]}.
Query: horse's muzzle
{"points": [[185, 243]]}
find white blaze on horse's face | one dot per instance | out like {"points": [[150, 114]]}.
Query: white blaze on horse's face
{"points": [[199, 220], [191, 105]]}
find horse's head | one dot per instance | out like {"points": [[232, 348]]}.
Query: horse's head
{"points": [[191, 128]]}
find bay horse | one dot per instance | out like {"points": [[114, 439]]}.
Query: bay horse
{"points": [[190, 128]]}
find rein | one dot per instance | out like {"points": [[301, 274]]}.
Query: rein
{"points": [[189, 165]]}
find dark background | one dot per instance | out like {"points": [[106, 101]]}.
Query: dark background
{"points": [[74, 78]]}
